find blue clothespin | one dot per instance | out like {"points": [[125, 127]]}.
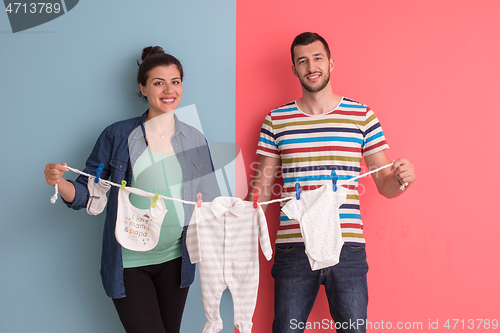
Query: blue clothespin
{"points": [[98, 173], [334, 180], [298, 190]]}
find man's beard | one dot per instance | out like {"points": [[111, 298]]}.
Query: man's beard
{"points": [[326, 79]]}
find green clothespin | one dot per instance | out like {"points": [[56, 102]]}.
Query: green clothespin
{"points": [[155, 198]]}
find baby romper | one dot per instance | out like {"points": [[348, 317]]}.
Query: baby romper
{"points": [[318, 214], [223, 238]]}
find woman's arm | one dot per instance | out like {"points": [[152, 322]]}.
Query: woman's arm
{"points": [[54, 175]]}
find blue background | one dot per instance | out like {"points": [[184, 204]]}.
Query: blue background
{"points": [[61, 84]]}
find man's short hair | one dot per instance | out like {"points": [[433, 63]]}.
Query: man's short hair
{"points": [[307, 38]]}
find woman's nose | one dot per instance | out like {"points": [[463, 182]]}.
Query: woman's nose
{"points": [[168, 88]]}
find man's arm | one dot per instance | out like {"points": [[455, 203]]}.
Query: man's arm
{"points": [[389, 181], [264, 179]]}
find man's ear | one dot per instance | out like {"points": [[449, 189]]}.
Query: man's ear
{"points": [[294, 71]]}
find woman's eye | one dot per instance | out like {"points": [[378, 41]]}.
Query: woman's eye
{"points": [[157, 83]]}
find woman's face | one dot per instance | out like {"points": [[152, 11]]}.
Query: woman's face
{"points": [[163, 89]]}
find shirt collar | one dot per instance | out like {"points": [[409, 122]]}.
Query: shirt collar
{"points": [[221, 205], [180, 127]]}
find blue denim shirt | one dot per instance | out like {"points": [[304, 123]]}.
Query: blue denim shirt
{"points": [[118, 148]]}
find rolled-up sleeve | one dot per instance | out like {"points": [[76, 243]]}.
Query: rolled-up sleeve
{"points": [[100, 154]]}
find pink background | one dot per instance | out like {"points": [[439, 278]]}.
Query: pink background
{"points": [[431, 72]]}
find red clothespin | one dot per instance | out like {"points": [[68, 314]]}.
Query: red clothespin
{"points": [[198, 203], [255, 197]]}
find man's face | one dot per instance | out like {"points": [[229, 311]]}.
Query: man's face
{"points": [[312, 66]]}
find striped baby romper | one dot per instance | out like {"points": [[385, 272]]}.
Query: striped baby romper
{"points": [[223, 238]]}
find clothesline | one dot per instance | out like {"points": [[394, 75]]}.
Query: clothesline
{"points": [[54, 197], [341, 183]]}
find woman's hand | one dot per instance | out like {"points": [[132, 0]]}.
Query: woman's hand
{"points": [[54, 173]]}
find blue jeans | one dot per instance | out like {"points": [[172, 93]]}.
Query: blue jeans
{"points": [[296, 287]]}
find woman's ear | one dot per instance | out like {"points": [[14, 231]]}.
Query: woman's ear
{"points": [[143, 90]]}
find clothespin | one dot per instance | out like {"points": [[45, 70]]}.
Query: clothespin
{"points": [[298, 190], [198, 196], [98, 172], [154, 200], [334, 180], [255, 197], [124, 182]]}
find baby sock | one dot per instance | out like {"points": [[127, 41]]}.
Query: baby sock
{"points": [[97, 199]]}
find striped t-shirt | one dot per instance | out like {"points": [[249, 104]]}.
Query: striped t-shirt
{"points": [[311, 146]]}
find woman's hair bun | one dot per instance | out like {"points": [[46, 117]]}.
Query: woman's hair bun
{"points": [[151, 50]]}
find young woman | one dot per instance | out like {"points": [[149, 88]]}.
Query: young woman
{"points": [[159, 154]]}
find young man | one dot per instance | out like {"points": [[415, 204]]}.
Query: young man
{"points": [[310, 137]]}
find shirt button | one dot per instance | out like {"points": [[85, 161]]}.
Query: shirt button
{"points": [[183, 166]]}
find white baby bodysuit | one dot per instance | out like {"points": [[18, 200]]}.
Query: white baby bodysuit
{"points": [[318, 214], [223, 238]]}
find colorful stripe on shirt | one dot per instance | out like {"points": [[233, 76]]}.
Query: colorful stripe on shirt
{"points": [[311, 146]]}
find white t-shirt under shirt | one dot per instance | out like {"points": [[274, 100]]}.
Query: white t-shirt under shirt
{"points": [[311, 146], [162, 174]]}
